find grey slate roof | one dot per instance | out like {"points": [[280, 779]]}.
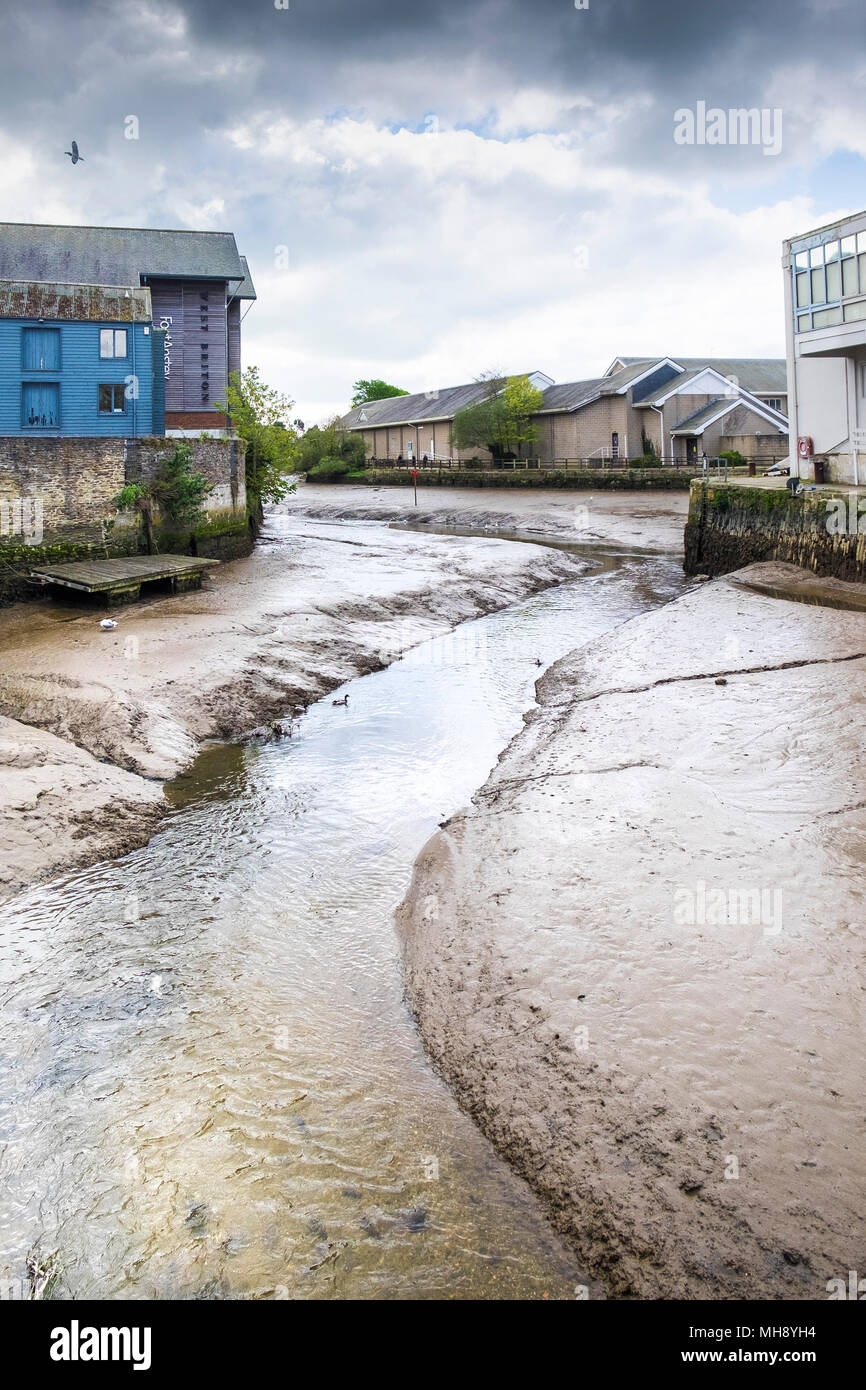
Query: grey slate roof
{"points": [[756, 374], [568, 395], [408, 410], [117, 255], [753, 374], [441, 404], [246, 290], [628, 373], [634, 361]]}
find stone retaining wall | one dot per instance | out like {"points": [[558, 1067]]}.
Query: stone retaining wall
{"points": [[56, 502], [730, 526]]}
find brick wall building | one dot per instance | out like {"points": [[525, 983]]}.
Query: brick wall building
{"points": [[638, 405]]}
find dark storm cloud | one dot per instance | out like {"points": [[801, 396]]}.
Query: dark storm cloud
{"points": [[397, 62], [667, 44], [408, 255]]}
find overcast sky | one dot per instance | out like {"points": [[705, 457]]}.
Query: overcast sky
{"points": [[458, 184]]}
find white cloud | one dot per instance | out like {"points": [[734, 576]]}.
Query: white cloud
{"points": [[425, 259], [439, 216]]}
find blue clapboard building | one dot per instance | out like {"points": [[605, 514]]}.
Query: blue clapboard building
{"points": [[79, 360], [86, 310]]}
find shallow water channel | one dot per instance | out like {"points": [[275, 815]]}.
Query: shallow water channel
{"points": [[210, 1082]]}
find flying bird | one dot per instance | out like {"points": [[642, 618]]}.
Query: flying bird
{"points": [[73, 153]]}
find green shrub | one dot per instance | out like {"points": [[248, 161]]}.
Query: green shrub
{"points": [[177, 490], [330, 467], [331, 445]]}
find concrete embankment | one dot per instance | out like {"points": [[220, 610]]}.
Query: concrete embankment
{"points": [[731, 525], [637, 957], [93, 722]]}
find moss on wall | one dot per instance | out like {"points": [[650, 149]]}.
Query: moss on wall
{"points": [[730, 526]]}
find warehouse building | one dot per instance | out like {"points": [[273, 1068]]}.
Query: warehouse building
{"points": [[198, 286], [676, 409]]}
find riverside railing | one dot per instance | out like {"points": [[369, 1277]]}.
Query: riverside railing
{"points": [[719, 467]]}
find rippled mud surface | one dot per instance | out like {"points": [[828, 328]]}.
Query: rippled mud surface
{"points": [[211, 1085], [663, 879]]}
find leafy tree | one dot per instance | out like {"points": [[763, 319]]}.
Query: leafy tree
{"points": [[258, 413], [522, 400], [477, 425], [177, 490], [375, 390], [500, 420], [328, 450]]}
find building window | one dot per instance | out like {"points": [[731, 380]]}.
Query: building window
{"points": [[40, 405], [774, 402], [112, 342], [112, 399], [41, 350], [614, 445], [824, 276]]}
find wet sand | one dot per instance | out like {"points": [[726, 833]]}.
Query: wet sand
{"points": [[678, 1081], [637, 957], [92, 723], [646, 521]]}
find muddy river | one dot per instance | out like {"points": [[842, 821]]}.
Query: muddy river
{"points": [[210, 1083]]}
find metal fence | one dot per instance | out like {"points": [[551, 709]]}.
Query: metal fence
{"points": [[718, 467]]}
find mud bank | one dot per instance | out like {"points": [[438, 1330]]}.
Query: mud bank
{"points": [[92, 723], [638, 959], [644, 521]]}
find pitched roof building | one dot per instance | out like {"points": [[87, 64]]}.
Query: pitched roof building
{"points": [[675, 408], [79, 360], [197, 282]]}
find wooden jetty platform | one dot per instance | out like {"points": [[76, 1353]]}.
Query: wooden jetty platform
{"points": [[120, 580]]}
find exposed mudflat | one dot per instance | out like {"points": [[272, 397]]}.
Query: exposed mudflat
{"points": [[92, 722], [638, 956], [644, 520]]}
